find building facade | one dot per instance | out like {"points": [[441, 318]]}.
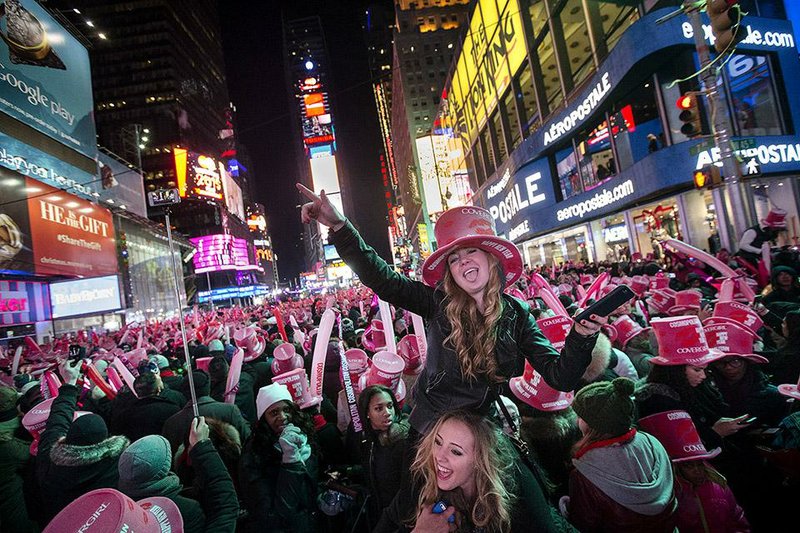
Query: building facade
{"points": [[565, 115]]}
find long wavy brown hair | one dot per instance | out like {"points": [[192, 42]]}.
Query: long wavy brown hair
{"points": [[494, 479], [473, 334]]}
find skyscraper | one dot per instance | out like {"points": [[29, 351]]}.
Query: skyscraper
{"points": [[308, 77], [424, 39]]}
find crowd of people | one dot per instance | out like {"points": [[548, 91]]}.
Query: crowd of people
{"points": [[470, 401]]}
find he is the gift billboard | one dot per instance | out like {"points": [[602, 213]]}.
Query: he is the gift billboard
{"points": [[50, 232]]}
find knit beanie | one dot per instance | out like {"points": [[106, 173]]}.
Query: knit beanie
{"points": [[161, 361], [607, 407], [87, 430], [144, 465], [215, 347]]}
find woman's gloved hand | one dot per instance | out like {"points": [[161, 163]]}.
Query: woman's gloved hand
{"points": [[294, 445]]}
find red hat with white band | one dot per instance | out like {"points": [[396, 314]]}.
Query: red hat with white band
{"points": [[682, 341]]}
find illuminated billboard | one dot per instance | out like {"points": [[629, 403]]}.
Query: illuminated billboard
{"points": [[492, 52], [325, 177], [47, 231], [233, 195], [45, 77], [220, 252], [317, 126], [429, 170], [23, 302], [85, 296], [314, 104], [199, 176]]}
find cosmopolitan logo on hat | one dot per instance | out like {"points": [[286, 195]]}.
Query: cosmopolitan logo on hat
{"points": [[555, 329], [682, 341], [677, 432]]}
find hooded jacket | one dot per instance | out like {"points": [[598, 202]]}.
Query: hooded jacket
{"points": [[441, 386], [67, 471], [623, 487], [780, 295], [15, 461], [710, 504]]}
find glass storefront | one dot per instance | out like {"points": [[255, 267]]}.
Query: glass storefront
{"points": [[569, 245], [769, 193], [700, 220], [655, 222], [611, 238]]}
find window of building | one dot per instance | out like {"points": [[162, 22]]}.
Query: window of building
{"points": [[636, 125], [476, 157], [487, 152], [755, 106], [509, 109], [498, 135], [537, 11], [576, 38], [569, 179], [550, 78], [595, 156], [615, 19], [526, 100]]}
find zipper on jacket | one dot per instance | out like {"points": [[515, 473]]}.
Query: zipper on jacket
{"points": [[437, 379]]}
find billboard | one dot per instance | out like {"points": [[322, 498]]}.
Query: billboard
{"points": [[32, 162], [85, 296], [45, 77], [233, 195], [232, 292], [47, 231], [493, 50], [220, 252], [199, 176], [122, 184], [23, 302], [314, 104], [325, 176], [331, 254]]}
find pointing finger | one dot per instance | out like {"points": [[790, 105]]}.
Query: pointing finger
{"points": [[308, 193]]}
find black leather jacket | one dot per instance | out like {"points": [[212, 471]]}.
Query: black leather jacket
{"points": [[440, 386]]}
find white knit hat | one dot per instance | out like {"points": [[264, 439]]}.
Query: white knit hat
{"points": [[270, 394]]}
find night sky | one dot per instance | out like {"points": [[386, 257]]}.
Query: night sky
{"points": [[252, 45]]}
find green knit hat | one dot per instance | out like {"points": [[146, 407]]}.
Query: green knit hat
{"points": [[607, 407]]}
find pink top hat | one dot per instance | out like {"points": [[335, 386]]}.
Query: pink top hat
{"points": [[136, 356], [297, 383], [776, 218], [685, 301], [414, 358], [662, 300], [110, 510], [682, 341], [676, 431], [658, 283], [639, 285], [737, 313], [35, 420], [627, 328], [202, 363], [605, 290], [357, 363], [249, 340], [285, 359], [533, 390], [565, 288], [386, 370], [556, 329], [470, 226], [586, 279], [374, 338], [732, 339], [787, 389]]}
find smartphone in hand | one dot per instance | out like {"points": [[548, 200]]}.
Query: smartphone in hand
{"points": [[608, 303]]}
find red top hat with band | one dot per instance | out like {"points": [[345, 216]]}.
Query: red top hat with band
{"points": [[285, 359], [374, 338], [733, 340], [640, 285], [556, 329], [532, 389], [688, 300], [386, 370], [472, 227], [626, 329], [658, 283], [776, 219], [357, 363], [661, 301], [737, 313], [297, 382], [682, 341], [676, 431], [110, 510], [249, 340], [409, 349]]}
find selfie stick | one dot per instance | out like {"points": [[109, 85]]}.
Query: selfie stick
{"points": [[167, 198]]}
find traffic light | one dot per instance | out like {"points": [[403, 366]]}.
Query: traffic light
{"points": [[725, 17], [707, 177], [690, 115]]}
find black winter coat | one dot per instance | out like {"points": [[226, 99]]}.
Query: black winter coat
{"points": [[441, 387], [66, 472], [145, 416], [281, 498]]}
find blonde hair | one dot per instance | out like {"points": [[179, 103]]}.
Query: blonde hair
{"points": [[473, 334], [494, 463]]}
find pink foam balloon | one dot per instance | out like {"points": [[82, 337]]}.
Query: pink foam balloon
{"points": [[320, 351], [234, 373], [595, 288], [125, 374], [113, 378]]}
